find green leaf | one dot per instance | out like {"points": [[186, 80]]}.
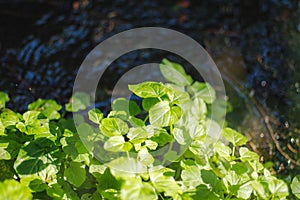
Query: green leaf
{"points": [[162, 114], [212, 180], [3, 99], [259, 188], [236, 138], [232, 178], [136, 122], [192, 176], [181, 136], [256, 165], [136, 189], [118, 114], [9, 118], [223, 150], [55, 191], [247, 155], [194, 111], [239, 168], [48, 108], [148, 89], [203, 192], [34, 183], [79, 101], [75, 174], [151, 144], [245, 191], [130, 107], [4, 154], [171, 156], [108, 181], [295, 186], [2, 128], [97, 169], [175, 73], [95, 115], [177, 95], [203, 91], [147, 103], [145, 157], [7, 171], [39, 158], [161, 137], [13, 190], [138, 134], [62, 190], [113, 127], [126, 167], [33, 125], [175, 113], [164, 183], [110, 194], [68, 144], [37, 185], [278, 188], [159, 114], [114, 144]]}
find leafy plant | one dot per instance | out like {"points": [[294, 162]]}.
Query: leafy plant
{"points": [[164, 149]]}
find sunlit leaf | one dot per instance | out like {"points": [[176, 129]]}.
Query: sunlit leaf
{"points": [[175, 73], [278, 188], [162, 114], [4, 98], [247, 155], [113, 126], [295, 186], [148, 89], [136, 189], [203, 91], [236, 138], [79, 101], [95, 115], [13, 190], [48, 108]]}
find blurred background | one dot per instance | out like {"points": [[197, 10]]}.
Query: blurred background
{"points": [[255, 44]]}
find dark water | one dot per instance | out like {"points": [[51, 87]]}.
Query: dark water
{"points": [[254, 43]]}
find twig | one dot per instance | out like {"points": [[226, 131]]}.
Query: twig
{"points": [[267, 120]]}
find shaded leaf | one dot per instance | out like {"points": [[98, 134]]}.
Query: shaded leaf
{"points": [[130, 107], [75, 174]]}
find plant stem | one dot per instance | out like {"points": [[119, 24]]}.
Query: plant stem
{"points": [[233, 151], [171, 129], [146, 118]]}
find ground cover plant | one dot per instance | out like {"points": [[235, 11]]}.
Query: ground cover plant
{"points": [[158, 149]]}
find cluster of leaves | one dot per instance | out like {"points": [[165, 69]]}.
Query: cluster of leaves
{"points": [[166, 148]]}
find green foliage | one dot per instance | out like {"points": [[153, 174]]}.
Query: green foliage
{"points": [[161, 150], [12, 190], [3, 99], [295, 186]]}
